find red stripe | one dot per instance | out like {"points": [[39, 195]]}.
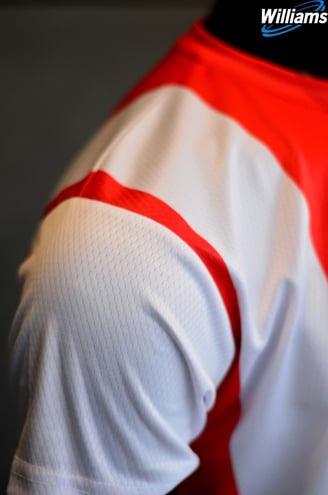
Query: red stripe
{"points": [[222, 420]]}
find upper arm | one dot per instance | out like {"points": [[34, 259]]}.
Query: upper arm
{"points": [[119, 343]]}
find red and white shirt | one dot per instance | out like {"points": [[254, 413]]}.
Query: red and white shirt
{"points": [[172, 329]]}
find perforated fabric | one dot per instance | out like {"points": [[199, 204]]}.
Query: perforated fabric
{"points": [[109, 300]]}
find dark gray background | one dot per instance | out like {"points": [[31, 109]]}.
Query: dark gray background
{"points": [[62, 69]]}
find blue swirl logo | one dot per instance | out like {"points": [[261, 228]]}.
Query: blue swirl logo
{"points": [[281, 21]]}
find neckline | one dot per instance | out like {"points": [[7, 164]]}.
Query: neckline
{"points": [[278, 78]]}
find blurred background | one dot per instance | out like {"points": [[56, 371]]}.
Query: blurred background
{"points": [[63, 66]]}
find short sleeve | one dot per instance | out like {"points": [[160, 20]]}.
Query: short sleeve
{"points": [[118, 346]]}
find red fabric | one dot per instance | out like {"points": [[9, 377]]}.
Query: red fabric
{"points": [[271, 102]]}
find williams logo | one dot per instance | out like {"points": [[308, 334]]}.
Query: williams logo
{"points": [[281, 21]]}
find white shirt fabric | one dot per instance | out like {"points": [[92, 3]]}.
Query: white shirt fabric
{"points": [[178, 221]]}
